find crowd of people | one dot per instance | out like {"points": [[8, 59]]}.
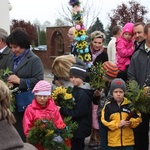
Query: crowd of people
{"points": [[100, 113]]}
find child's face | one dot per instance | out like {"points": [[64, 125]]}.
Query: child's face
{"points": [[118, 94], [76, 81], [42, 99], [127, 35]]}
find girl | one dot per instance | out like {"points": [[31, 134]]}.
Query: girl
{"points": [[124, 50], [42, 107]]}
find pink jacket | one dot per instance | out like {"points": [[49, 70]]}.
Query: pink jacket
{"points": [[34, 112], [124, 51]]}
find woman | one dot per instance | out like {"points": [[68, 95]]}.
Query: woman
{"points": [[61, 67], [9, 137], [98, 56], [25, 65]]}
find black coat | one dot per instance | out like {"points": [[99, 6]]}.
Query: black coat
{"points": [[101, 58], [81, 112], [4, 56]]}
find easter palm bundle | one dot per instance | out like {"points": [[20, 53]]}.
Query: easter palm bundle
{"points": [[63, 97], [140, 98], [45, 134], [96, 76]]}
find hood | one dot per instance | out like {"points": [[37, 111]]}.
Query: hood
{"points": [[87, 88]]}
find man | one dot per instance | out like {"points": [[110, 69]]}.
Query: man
{"points": [[138, 32], [5, 52], [111, 49], [139, 70], [71, 38]]}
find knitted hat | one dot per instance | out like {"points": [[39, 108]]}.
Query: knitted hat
{"points": [[117, 83], [42, 88], [111, 70], [3, 34], [78, 71], [128, 27]]}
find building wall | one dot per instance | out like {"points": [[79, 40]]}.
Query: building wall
{"points": [[4, 18], [57, 44]]}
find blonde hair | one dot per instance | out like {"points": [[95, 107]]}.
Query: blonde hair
{"points": [[61, 66], [97, 34], [5, 112]]}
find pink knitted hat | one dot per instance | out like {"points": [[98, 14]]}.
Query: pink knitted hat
{"points": [[128, 27], [42, 88]]}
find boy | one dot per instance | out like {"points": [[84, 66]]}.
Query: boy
{"points": [[82, 110], [114, 114]]}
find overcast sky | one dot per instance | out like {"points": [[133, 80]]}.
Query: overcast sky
{"points": [[47, 10]]}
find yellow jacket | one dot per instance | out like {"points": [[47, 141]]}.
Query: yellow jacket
{"points": [[111, 116]]}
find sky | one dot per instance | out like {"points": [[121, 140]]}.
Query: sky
{"points": [[47, 10]]}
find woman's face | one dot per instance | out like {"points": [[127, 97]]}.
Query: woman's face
{"points": [[97, 44], [17, 50]]}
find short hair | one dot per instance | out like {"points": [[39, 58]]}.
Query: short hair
{"points": [[116, 29], [139, 23], [3, 34], [19, 37], [146, 27], [61, 66], [97, 34]]}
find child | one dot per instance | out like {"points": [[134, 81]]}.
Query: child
{"points": [[124, 50], [82, 110], [114, 114], [9, 137], [61, 67], [110, 74], [42, 107]]}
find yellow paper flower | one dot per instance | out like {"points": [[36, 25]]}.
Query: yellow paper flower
{"points": [[87, 57], [80, 57], [81, 46], [82, 32], [76, 33]]}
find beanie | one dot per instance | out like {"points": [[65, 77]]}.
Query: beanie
{"points": [[78, 71], [111, 70], [42, 88], [117, 83], [128, 27], [3, 34]]}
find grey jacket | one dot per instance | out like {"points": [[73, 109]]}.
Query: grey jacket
{"points": [[139, 68], [4, 56], [10, 139], [30, 68]]}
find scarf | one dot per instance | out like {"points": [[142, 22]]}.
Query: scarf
{"points": [[95, 53], [18, 59]]}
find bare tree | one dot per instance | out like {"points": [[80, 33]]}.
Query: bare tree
{"points": [[91, 11]]}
